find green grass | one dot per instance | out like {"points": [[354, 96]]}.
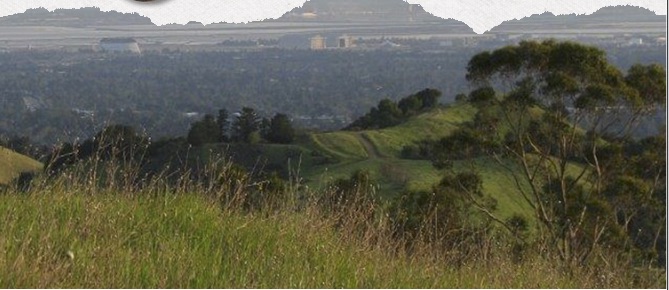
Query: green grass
{"points": [[165, 240], [389, 141], [388, 178], [431, 125], [12, 164], [351, 147], [343, 145], [499, 183], [377, 151], [395, 175]]}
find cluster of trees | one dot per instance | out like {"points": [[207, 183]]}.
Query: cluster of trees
{"points": [[23, 145], [123, 143], [388, 113], [246, 127], [114, 142], [127, 158], [559, 118]]}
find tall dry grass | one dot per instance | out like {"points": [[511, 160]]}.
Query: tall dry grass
{"points": [[100, 224]]}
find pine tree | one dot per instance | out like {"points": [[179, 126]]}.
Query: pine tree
{"points": [[280, 130], [245, 125]]}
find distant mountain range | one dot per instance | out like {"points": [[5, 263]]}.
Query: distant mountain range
{"points": [[359, 11], [73, 18], [605, 15], [396, 11]]}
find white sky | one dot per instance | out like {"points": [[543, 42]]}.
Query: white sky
{"points": [[480, 15]]}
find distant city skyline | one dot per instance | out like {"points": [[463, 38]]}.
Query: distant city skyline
{"points": [[480, 17]]}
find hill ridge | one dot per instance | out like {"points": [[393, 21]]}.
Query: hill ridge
{"points": [[86, 16], [325, 11], [617, 14]]}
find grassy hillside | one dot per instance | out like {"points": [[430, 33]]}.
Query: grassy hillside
{"points": [[431, 125], [12, 164], [70, 238], [378, 152], [321, 158], [388, 142], [374, 149]]}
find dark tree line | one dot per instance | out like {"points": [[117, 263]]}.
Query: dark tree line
{"points": [[114, 142], [24, 145], [245, 127], [389, 113]]}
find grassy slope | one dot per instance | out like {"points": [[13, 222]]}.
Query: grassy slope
{"points": [[376, 151], [395, 174], [321, 158], [431, 125], [342, 145], [12, 163], [185, 241]]}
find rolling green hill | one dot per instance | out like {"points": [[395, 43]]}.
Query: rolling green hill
{"points": [[378, 151], [12, 164], [321, 158]]}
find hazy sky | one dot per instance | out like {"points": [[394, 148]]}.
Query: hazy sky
{"points": [[480, 15]]}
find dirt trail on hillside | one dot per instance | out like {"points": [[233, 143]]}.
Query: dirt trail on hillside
{"points": [[372, 151]]}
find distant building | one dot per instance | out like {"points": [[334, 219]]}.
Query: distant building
{"points": [[318, 42], [120, 45], [345, 42]]}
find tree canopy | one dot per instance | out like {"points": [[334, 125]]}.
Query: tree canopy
{"points": [[280, 130], [204, 131], [388, 113], [564, 115]]}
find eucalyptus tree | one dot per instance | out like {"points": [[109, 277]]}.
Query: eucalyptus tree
{"points": [[557, 110]]}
